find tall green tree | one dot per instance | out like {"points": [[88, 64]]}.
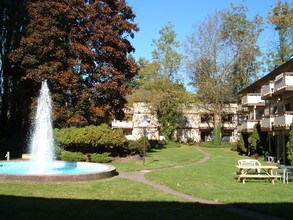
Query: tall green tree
{"points": [[166, 54], [281, 18], [158, 84], [81, 48], [241, 36]]}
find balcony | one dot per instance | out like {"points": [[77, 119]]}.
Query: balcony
{"points": [[247, 126], [283, 82], [122, 124], [206, 125], [229, 125], [267, 123], [283, 122], [241, 109], [267, 90], [252, 99]]}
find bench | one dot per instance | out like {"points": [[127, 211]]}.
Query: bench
{"points": [[243, 177], [250, 162]]}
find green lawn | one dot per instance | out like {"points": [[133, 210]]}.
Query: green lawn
{"points": [[215, 180], [161, 158], [124, 199], [114, 198]]}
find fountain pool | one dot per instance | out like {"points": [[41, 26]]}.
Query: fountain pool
{"points": [[22, 171], [42, 167]]}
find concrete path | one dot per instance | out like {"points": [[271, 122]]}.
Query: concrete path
{"points": [[139, 177]]}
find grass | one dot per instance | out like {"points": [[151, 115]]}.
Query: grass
{"points": [[114, 198], [161, 158], [214, 180], [124, 199]]}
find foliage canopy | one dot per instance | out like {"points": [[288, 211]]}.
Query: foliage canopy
{"points": [[81, 48]]}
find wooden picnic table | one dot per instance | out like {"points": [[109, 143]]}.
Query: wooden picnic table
{"points": [[257, 172]]}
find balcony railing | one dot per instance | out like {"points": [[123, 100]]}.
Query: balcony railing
{"points": [[283, 82], [206, 125], [122, 124], [267, 123], [247, 126], [252, 99], [283, 121], [229, 125], [267, 90]]}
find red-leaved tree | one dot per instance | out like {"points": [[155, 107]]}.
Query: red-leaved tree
{"points": [[81, 48]]}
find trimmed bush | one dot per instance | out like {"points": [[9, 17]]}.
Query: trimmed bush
{"points": [[100, 158], [72, 156], [91, 139]]}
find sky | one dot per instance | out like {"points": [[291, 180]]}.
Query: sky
{"points": [[152, 15]]}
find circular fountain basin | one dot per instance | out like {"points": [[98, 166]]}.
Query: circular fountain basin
{"points": [[60, 171]]}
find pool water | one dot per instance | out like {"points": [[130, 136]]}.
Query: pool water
{"points": [[57, 168]]}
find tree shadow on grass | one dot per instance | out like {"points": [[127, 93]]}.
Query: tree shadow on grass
{"points": [[14, 207]]}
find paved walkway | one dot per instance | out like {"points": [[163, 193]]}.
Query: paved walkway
{"points": [[139, 177]]}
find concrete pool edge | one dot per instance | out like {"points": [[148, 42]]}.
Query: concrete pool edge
{"points": [[108, 173]]}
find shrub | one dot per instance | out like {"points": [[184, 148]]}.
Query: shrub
{"points": [[290, 145], [137, 146], [255, 138], [72, 156], [90, 139], [100, 158], [216, 137], [241, 146], [234, 146]]}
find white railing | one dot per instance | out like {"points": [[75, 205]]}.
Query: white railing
{"points": [[229, 125], [248, 125], [205, 125], [252, 98], [283, 120], [122, 124], [283, 80]]}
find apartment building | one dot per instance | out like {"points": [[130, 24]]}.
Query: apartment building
{"points": [[269, 102], [139, 121], [196, 124]]}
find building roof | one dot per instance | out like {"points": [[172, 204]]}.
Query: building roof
{"points": [[286, 67]]}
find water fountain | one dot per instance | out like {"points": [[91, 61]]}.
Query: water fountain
{"points": [[42, 142], [42, 167]]}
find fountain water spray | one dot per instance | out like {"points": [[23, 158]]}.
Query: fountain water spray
{"points": [[42, 167], [42, 142]]}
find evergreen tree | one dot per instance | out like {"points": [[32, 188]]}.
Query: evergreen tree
{"points": [[290, 144]]}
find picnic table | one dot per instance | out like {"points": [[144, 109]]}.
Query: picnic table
{"points": [[257, 172]]}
